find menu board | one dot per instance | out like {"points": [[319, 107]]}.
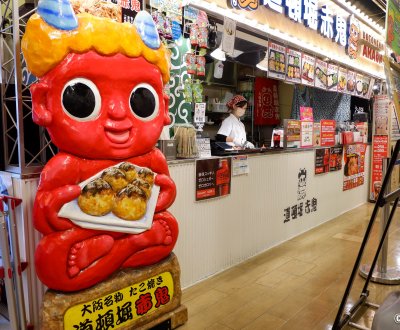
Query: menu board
{"points": [[365, 82], [361, 135], [317, 134], [381, 115], [351, 82], [213, 178], [203, 147], [306, 114], [371, 87], [308, 70], [359, 84], [380, 145], [335, 160], [240, 165], [276, 61], [342, 80], [322, 156], [293, 66], [321, 71], [292, 133], [332, 77], [306, 134], [354, 160], [328, 128]]}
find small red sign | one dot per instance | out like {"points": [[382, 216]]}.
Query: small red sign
{"points": [[380, 146], [328, 128]]}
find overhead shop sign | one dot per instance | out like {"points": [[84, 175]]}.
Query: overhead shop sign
{"points": [[372, 48], [345, 32]]}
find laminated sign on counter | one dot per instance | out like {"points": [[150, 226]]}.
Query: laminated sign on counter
{"points": [[213, 177]]}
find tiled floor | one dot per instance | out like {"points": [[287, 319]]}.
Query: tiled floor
{"points": [[297, 285]]}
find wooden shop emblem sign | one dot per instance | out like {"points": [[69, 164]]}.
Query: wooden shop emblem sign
{"points": [[123, 307]]}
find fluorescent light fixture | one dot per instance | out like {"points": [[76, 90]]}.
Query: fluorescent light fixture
{"points": [[263, 65], [218, 54]]}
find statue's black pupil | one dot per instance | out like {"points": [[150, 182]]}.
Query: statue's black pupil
{"points": [[79, 100], [143, 102]]}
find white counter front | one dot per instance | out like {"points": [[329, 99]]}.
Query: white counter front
{"points": [[219, 233]]}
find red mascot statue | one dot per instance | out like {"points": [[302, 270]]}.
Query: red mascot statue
{"points": [[100, 96]]}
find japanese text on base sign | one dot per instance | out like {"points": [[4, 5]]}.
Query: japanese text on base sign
{"points": [[121, 308]]}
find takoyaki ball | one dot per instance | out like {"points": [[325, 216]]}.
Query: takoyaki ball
{"points": [[130, 203], [116, 178], [146, 175], [144, 185], [129, 170], [96, 198]]}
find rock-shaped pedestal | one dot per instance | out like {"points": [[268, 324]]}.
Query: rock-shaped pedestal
{"points": [[130, 299]]}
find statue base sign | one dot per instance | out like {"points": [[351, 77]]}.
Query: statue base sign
{"points": [[130, 299]]}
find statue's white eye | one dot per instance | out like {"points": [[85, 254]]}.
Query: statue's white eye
{"points": [[144, 102], [81, 99]]}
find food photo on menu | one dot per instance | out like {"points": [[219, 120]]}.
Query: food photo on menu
{"points": [[308, 69], [321, 79], [277, 61], [359, 85], [332, 77], [362, 85], [351, 82], [293, 65], [332, 80], [342, 80]]}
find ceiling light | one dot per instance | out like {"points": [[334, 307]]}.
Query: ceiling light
{"points": [[263, 65], [219, 54]]}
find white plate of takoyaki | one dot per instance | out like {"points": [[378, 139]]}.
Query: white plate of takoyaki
{"points": [[120, 198]]}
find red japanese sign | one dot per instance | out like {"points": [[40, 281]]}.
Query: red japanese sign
{"points": [[213, 178], [306, 114], [322, 156], [335, 161], [380, 147], [266, 102], [328, 128], [354, 160], [129, 9]]}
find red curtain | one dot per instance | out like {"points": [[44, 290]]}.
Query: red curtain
{"points": [[266, 102]]}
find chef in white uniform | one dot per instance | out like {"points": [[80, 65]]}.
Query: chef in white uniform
{"points": [[232, 130]]}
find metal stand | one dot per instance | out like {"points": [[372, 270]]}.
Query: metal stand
{"points": [[346, 317], [9, 251], [382, 274]]}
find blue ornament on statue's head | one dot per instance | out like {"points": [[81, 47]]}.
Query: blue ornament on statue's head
{"points": [[147, 30], [58, 13]]}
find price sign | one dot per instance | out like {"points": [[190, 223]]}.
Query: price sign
{"points": [[200, 113], [204, 147]]}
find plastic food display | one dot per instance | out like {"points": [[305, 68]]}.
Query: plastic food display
{"points": [[115, 200], [102, 201]]}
